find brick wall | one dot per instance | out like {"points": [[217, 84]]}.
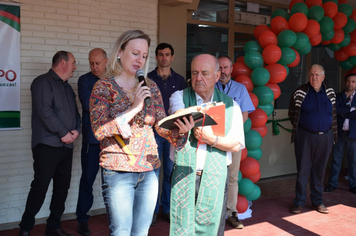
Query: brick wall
{"points": [[46, 27]]}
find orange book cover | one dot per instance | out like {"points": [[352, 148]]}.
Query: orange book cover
{"points": [[217, 112]]}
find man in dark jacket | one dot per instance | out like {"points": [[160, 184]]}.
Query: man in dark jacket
{"points": [[313, 116], [346, 123]]}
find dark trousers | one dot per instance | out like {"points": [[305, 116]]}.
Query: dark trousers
{"points": [[49, 163], [312, 152], [223, 212], [90, 168]]}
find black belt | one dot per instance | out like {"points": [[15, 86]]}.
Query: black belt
{"points": [[313, 132], [199, 172], [347, 132]]}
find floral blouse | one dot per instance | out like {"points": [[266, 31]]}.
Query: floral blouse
{"points": [[128, 145]]}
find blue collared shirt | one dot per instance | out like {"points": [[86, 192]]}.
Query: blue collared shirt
{"points": [[238, 93], [316, 111]]}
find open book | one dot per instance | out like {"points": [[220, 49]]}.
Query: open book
{"points": [[214, 116]]}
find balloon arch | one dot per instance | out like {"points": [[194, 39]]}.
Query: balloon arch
{"points": [[267, 61]]}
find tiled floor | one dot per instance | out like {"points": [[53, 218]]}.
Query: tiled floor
{"points": [[270, 215]]}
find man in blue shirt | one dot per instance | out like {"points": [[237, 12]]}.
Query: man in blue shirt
{"points": [[312, 112], [346, 123], [168, 81], [239, 94], [90, 145]]}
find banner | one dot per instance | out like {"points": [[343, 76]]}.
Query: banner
{"points": [[9, 66]]}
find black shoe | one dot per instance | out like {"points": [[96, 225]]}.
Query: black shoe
{"points": [[83, 228], [154, 219], [234, 221], [330, 188], [57, 232], [23, 233], [353, 190], [166, 216], [296, 209]]}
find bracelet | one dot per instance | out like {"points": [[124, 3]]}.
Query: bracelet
{"points": [[216, 141], [181, 135]]}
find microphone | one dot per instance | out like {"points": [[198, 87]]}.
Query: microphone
{"points": [[140, 76]]}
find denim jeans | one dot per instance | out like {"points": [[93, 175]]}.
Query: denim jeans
{"points": [[167, 165], [338, 154], [130, 199], [90, 167]]}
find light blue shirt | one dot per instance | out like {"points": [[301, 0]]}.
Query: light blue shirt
{"points": [[238, 93]]}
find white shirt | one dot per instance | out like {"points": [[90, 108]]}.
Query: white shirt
{"points": [[236, 132], [346, 125]]}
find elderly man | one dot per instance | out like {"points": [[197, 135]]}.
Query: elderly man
{"points": [[200, 174], [55, 126], [346, 124], [312, 112], [90, 145]]}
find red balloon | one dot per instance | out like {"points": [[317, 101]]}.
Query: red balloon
{"points": [[240, 68], [342, 1], [249, 166], [311, 3], [338, 36], [312, 29], [267, 38], [242, 204], [330, 9], [262, 130], [241, 59], [316, 40], [278, 73], [325, 42], [298, 22], [254, 178], [243, 154], [275, 88], [353, 36], [353, 15], [350, 49], [258, 117], [254, 99], [245, 80], [291, 4], [296, 60], [340, 20], [271, 54], [259, 29], [340, 55], [278, 24]]}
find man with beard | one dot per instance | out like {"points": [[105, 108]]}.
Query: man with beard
{"points": [[239, 94], [168, 81]]}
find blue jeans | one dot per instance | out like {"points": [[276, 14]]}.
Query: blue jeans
{"points": [[90, 168], [130, 199], [338, 153], [167, 165]]}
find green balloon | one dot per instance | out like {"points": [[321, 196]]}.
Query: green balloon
{"points": [[252, 46], [253, 59], [288, 56], [347, 64], [350, 26], [316, 13], [346, 41], [302, 41], [247, 125], [246, 187], [346, 9], [286, 38], [268, 108], [255, 194], [299, 7], [260, 76], [305, 50], [334, 47], [255, 153], [335, 1], [327, 35], [287, 68], [264, 94], [253, 139], [280, 12], [326, 24], [239, 177], [353, 59]]}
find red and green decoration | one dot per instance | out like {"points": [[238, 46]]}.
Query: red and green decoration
{"points": [[267, 60]]}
